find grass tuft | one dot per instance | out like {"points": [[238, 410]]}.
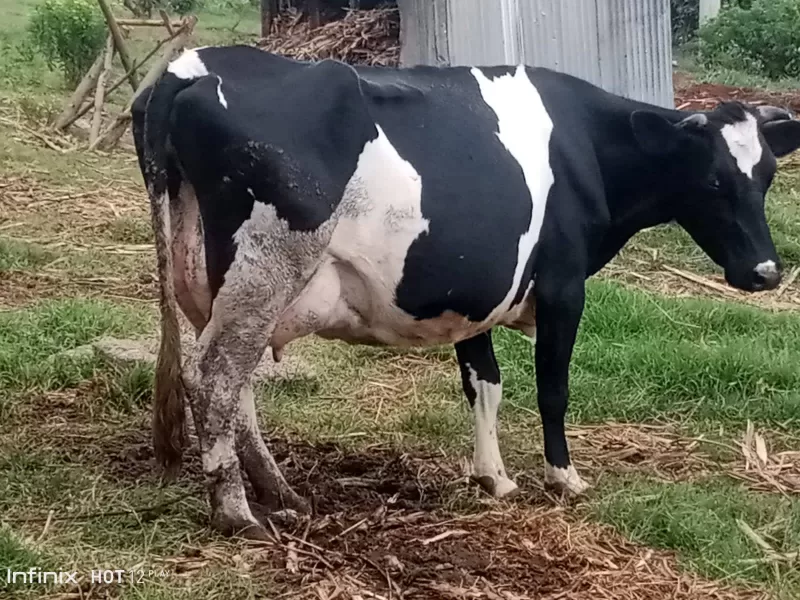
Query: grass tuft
{"points": [[700, 522], [644, 357], [30, 339], [15, 255]]}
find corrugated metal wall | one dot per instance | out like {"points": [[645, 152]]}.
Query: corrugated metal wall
{"points": [[623, 46]]}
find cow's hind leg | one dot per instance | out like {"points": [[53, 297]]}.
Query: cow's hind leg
{"points": [[268, 482], [271, 266], [480, 376]]}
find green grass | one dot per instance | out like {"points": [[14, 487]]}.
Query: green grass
{"points": [[21, 255], [16, 555], [687, 62], [643, 357], [701, 522], [30, 337]]}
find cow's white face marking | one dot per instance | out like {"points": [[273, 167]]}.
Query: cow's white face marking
{"points": [[744, 144], [188, 66], [524, 129], [220, 95], [487, 463]]}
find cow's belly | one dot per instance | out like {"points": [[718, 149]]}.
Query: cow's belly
{"points": [[343, 301]]}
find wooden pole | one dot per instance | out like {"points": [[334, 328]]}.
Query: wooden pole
{"points": [[116, 84], [124, 56], [167, 23], [269, 9], [148, 22], [111, 135], [100, 91], [84, 87], [314, 16]]}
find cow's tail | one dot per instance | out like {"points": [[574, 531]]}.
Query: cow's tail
{"points": [[168, 428]]}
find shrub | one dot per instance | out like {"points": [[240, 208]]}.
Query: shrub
{"points": [[69, 34], [183, 7], [684, 15], [763, 39], [145, 8], [141, 8]]}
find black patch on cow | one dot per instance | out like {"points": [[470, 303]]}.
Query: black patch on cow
{"points": [[290, 139], [465, 262]]}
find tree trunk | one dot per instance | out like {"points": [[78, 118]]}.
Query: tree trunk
{"points": [[269, 9], [314, 16]]}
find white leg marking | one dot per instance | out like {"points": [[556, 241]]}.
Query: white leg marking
{"points": [[524, 129], [564, 480], [488, 468], [743, 143]]}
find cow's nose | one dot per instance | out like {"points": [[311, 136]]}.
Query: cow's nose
{"points": [[766, 276]]}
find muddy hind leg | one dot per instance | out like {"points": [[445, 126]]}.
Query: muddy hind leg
{"points": [[272, 266], [272, 490]]}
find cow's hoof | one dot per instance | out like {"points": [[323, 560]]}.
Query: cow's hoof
{"points": [[239, 527], [499, 487], [564, 480]]}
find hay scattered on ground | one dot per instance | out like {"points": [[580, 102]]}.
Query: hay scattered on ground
{"points": [[364, 37], [386, 526]]}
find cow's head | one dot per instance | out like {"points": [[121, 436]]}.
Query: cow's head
{"points": [[720, 165]]}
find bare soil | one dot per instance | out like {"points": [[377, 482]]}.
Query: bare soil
{"points": [[692, 95]]}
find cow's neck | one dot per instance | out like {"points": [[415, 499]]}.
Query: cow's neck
{"points": [[634, 181]]}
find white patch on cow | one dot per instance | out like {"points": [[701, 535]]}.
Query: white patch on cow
{"points": [[487, 463], [766, 268], [215, 457], [743, 143], [564, 479], [220, 95], [379, 217], [188, 66], [524, 129]]}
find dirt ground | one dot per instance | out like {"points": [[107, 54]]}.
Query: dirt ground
{"points": [[691, 95], [387, 525]]}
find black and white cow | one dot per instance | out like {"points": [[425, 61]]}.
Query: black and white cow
{"points": [[413, 207]]}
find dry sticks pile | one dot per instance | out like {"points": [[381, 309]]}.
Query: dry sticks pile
{"points": [[366, 37]]}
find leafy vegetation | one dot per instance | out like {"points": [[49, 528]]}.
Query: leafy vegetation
{"points": [[763, 38], [69, 34]]}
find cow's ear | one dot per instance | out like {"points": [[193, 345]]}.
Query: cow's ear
{"points": [[654, 133], [783, 137]]}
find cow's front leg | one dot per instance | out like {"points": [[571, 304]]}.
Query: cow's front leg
{"points": [[480, 376], [559, 306]]}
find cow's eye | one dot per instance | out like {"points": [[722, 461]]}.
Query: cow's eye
{"points": [[713, 183]]}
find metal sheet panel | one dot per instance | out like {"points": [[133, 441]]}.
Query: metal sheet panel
{"points": [[623, 46]]}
